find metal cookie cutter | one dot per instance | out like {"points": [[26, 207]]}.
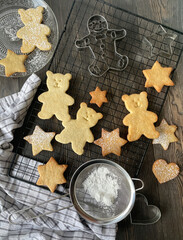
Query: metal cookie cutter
{"points": [[165, 40], [102, 43], [143, 213], [85, 205]]}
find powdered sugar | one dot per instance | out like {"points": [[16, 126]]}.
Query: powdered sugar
{"points": [[102, 185]]}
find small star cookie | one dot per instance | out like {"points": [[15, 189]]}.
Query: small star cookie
{"points": [[51, 174], [98, 97], [110, 142], [158, 76], [166, 134], [40, 140], [165, 172], [13, 63]]}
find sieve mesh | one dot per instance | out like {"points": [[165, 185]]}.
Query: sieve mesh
{"points": [[98, 210]]}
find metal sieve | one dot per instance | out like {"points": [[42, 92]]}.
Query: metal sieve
{"points": [[88, 207]]}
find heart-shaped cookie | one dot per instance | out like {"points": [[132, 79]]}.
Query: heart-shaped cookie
{"points": [[142, 213], [165, 172]]}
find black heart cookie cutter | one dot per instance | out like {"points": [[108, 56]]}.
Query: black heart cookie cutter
{"points": [[143, 213]]}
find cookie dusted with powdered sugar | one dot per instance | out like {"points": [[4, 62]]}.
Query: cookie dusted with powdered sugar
{"points": [[165, 172], [33, 34], [40, 140]]}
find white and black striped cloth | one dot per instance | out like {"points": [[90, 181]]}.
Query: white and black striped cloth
{"points": [[15, 194]]}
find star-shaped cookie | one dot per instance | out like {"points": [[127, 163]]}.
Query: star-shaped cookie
{"points": [[166, 134], [13, 63], [51, 174], [40, 140], [158, 76], [98, 97], [110, 142]]}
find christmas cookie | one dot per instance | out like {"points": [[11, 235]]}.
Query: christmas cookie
{"points": [[33, 34], [158, 76], [51, 174], [40, 140], [56, 101], [167, 135], [13, 63], [110, 142], [139, 120], [98, 97], [165, 172], [77, 131]]}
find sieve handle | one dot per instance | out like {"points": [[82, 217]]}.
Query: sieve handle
{"points": [[37, 216], [138, 179]]}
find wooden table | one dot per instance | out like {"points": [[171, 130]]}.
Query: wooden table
{"points": [[169, 196]]}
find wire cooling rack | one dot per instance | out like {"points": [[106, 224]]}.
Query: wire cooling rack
{"points": [[69, 59]]}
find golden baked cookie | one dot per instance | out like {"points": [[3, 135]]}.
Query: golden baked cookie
{"points": [[158, 76], [51, 174], [40, 140], [110, 142], [77, 131], [33, 34], [139, 120], [98, 97], [56, 101], [167, 135], [165, 172], [13, 63]]}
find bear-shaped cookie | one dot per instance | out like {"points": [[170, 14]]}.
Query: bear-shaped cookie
{"points": [[56, 100], [77, 131], [102, 43], [33, 34], [139, 120]]}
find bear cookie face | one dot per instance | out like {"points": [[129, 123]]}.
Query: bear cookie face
{"points": [[58, 81], [134, 102], [88, 114]]}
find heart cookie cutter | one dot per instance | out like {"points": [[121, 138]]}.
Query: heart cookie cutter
{"points": [[98, 40], [143, 213]]}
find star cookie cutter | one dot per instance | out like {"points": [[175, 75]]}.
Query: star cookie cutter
{"points": [[98, 40], [166, 42]]}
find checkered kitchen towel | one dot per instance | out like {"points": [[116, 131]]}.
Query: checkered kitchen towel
{"points": [[15, 195]]}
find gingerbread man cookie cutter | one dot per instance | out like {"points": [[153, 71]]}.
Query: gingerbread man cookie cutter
{"points": [[99, 40]]}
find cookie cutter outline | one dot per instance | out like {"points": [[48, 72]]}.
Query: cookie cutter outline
{"points": [[114, 42], [155, 219], [161, 31]]}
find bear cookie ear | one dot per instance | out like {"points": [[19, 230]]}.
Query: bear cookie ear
{"points": [[40, 9], [144, 94], [24, 16], [83, 104], [99, 115], [49, 74], [68, 76], [124, 97]]}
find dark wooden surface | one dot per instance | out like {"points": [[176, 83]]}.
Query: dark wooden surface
{"points": [[169, 196]]}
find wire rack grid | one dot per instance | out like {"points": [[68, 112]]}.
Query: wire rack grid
{"points": [[69, 59]]}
